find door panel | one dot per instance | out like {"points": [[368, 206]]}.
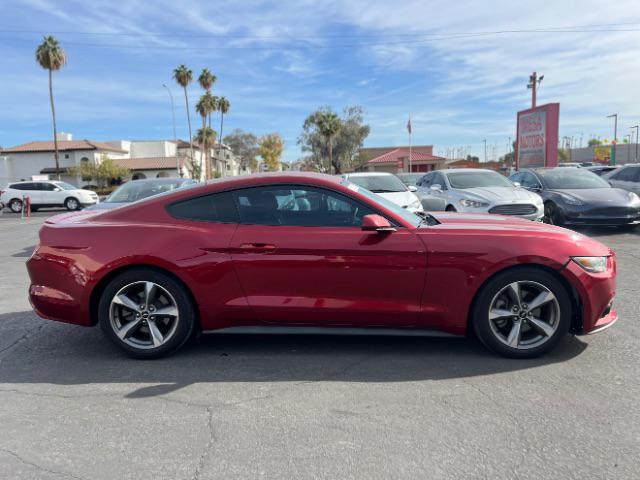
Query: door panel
{"points": [[330, 275]]}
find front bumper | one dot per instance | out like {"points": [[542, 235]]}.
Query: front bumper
{"points": [[536, 216], [600, 215]]}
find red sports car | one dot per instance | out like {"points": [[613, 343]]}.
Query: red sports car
{"points": [[313, 253]]}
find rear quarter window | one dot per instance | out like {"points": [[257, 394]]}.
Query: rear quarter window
{"points": [[217, 207]]}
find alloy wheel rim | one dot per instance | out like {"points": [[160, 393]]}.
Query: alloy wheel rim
{"points": [[524, 315], [72, 204], [16, 206], [144, 315]]}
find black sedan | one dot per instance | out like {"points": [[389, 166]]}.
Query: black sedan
{"points": [[138, 189], [575, 196]]}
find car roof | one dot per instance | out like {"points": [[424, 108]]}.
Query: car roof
{"points": [[368, 174], [159, 180], [465, 170]]}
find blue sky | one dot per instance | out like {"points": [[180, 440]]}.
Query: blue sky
{"points": [[278, 61]]}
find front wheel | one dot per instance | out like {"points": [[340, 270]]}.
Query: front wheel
{"points": [[552, 215], [147, 313], [522, 313], [15, 205], [71, 204]]}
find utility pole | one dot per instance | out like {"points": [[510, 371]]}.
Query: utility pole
{"points": [[636, 127], [485, 150], [630, 136], [534, 81], [175, 138], [615, 137]]}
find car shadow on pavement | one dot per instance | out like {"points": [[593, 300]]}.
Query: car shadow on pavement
{"points": [[49, 352], [25, 253]]}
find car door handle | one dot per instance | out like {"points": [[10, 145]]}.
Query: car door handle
{"points": [[258, 247]]}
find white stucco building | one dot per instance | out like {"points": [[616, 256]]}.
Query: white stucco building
{"points": [[144, 158]]}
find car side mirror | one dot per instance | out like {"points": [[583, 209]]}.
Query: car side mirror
{"points": [[536, 188], [57, 189], [376, 223], [436, 187], [413, 188], [517, 184]]}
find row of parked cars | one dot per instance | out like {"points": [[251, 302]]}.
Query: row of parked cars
{"points": [[560, 196]]}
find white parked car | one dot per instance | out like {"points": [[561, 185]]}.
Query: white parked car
{"points": [[482, 191], [387, 186], [46, 194]]}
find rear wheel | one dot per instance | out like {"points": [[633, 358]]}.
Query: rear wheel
{"points": [[146, 313], [522, 313], [71, 204]]}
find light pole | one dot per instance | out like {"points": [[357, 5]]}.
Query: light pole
{"points": [[485, 150], [636, 127], [175, 138], [534, 81], [615, 137], [629, 136]]}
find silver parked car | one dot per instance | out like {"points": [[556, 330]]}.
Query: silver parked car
{"points": [[481, 191], [626, 177]]}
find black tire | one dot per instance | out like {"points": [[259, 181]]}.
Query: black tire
{"points": [[482, 305], [15, 205], [450, 208], [72, 204], [553, 215], [186, 320]]}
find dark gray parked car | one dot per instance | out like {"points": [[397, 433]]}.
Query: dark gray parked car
{"points": [[575, 196], [138, 189], [627, 177]]}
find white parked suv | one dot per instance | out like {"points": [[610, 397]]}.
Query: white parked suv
{"points": [[46, 194]]}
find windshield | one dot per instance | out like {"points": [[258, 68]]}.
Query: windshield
{"points": [[409, 178], [133, 191], [379, 183], [571, 178], [412, 218], [65, 186], [477, 179]]}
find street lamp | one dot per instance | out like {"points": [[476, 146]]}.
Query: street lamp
{"points": [[485, 150], [615, 137], [534, 82], [175, 138], [636, 127]]}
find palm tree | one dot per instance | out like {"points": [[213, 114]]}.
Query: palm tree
{"points": [[206, 81], [183, 76], [204, 107], [51, 56], [329, 125], [223, 107], [206, 136]]}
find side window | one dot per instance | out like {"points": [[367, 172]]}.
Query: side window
{"points": [[516, 177], [47, 187], [29, 186], [217, 207], [427, 180], [625, 175], [439, 179], [301, 206], [17, 186]]}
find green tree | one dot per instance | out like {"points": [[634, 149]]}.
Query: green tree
{"points": [[103, 173], [270, 149], [594, 142], [244, 145], [183, 76], [345, 145], [206, 81], [204, 107], [51, 56], [223, 106], [206, 136]]}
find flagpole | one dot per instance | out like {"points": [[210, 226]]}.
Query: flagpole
{"points": [[410, 129]]}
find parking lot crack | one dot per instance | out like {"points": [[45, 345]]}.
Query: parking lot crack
{"points": [[210, 441], [38, 467]]}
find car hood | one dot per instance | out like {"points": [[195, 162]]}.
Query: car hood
{"points": [[597, 196], [498, 194], [507, 226], [400, 198]]}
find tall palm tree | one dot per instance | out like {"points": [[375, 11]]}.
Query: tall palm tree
{"points": [[329, 125], [206, 81], [204, 107], [206, 136], [51, 56], [223, 107], [183, 76]]}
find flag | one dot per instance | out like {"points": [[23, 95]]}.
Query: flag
{"points": [[409, 125]]}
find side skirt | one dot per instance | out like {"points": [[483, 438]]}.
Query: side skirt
{"points": [[397, 332]]}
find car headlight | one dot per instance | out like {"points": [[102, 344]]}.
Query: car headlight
{"points": [[633, 198], [571, 200], [415, 204], [465, 202], [592, 264]]}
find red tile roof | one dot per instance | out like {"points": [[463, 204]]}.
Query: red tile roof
{"points": [[149, 163], [401, 153], [63, 146]]}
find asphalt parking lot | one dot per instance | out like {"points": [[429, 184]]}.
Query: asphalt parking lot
{"points": [[72, 406]]}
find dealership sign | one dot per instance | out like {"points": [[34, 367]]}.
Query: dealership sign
{"points": [[537, 141]]}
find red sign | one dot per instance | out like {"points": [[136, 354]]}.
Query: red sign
{"points": [[537, 140]]}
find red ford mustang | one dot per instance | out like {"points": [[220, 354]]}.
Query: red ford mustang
{"points": [[315, 254]]}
